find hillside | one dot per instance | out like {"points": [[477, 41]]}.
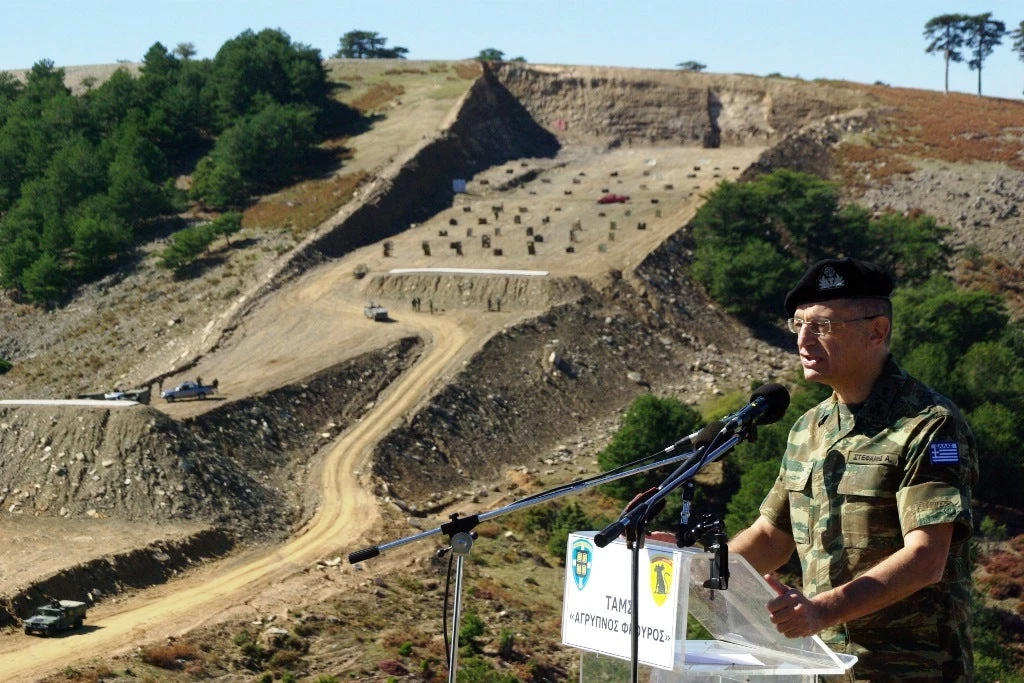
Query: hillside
{"points": [[277, 319]]}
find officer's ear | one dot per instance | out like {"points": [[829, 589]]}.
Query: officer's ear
{"points": [[880, 330]]}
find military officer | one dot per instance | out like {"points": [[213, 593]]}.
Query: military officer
{"points": [[874, 493]]}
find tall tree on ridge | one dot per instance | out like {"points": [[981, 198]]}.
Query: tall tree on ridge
{"points": [[948, 34], [1018, 40], [983, 34], [359, 44]]}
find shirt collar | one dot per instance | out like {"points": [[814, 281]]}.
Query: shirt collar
{"points": [[875, 411]]}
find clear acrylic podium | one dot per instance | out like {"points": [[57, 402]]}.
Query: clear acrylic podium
{"points": [[746, 644]]}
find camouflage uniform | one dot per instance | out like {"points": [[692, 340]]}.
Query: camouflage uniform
{"points": [[852, 483]]}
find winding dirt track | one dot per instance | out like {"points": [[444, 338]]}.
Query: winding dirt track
{"points": [[345, 512]]}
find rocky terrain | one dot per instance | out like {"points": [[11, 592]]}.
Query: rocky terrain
{"points": [[531, 402]]}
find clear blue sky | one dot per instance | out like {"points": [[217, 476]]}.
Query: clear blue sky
{"points": [[864, 41]]}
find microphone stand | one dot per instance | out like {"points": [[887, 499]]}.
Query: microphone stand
{"points": [[461, 535], [635, 521]]}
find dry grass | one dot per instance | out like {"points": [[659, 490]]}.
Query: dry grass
{"points": [[468, 70], [1005, 564], [304, 206], [1003, 577], [377, 96], [404, 70], [170, 656], [923, 124]]}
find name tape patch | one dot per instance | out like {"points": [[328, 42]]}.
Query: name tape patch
{"points": [[872, 458], [944, 453]]}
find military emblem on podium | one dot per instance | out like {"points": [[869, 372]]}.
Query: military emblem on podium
{"points": [[582, 562], [661, 579]]}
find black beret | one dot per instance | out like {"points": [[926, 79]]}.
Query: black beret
{"points": [[844, 278]]}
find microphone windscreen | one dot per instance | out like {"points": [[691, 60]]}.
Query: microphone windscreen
{"points": [[776, 399]]}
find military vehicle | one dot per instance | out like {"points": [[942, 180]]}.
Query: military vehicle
{"points": [[375, 312], [189, 390], [55, 616]]}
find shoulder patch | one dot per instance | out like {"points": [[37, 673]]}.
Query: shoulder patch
{"points": [[944, 453]]}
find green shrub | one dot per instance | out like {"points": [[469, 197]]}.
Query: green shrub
{"points": [[754, 240], [472, 628], [650, 424], [506, 644], [477, 670]]}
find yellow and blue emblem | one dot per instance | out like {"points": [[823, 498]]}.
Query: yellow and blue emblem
{"points": [[582, 561], [661, 578]]}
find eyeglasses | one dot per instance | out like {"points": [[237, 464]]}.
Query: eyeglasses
{"points": [[822, 326]]}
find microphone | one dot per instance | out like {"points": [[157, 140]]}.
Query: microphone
{"points": [[767, 405]]}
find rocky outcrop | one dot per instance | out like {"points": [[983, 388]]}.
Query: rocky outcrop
{"points": [[633, 106]]}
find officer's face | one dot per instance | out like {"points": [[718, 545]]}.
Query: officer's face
{"points": [[840, 356]]}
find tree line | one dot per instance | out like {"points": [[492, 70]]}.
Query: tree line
{"points": [[362, 44], [951, 34], [85, 176]]}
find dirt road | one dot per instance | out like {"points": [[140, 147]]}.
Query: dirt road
{"points": [[347, 510]]}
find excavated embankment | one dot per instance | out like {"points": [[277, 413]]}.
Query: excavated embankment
{"points": [[91, 581], [242, 465], [643, 106], [475, 292]]}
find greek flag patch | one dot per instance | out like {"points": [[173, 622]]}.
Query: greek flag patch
{"points": [[944, 453]]}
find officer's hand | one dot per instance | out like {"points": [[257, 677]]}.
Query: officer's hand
{"points": [[792, 612], [639, 499]]}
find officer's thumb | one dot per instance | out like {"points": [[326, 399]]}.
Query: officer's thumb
{"points": [[776, 585]]}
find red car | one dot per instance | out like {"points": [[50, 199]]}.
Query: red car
{"points": [[613, 199]]}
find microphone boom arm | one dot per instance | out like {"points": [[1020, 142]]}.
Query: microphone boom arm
{"points": [[468, 523]]}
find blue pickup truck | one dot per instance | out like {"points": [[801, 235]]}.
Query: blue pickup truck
{"points": [[189, 390]]}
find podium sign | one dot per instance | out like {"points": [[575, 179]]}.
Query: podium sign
{"points": [[746, 644], [597, 610]]}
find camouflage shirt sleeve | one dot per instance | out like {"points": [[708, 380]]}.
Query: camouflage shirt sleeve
{"points": [[940, 469], [775, 507]]}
